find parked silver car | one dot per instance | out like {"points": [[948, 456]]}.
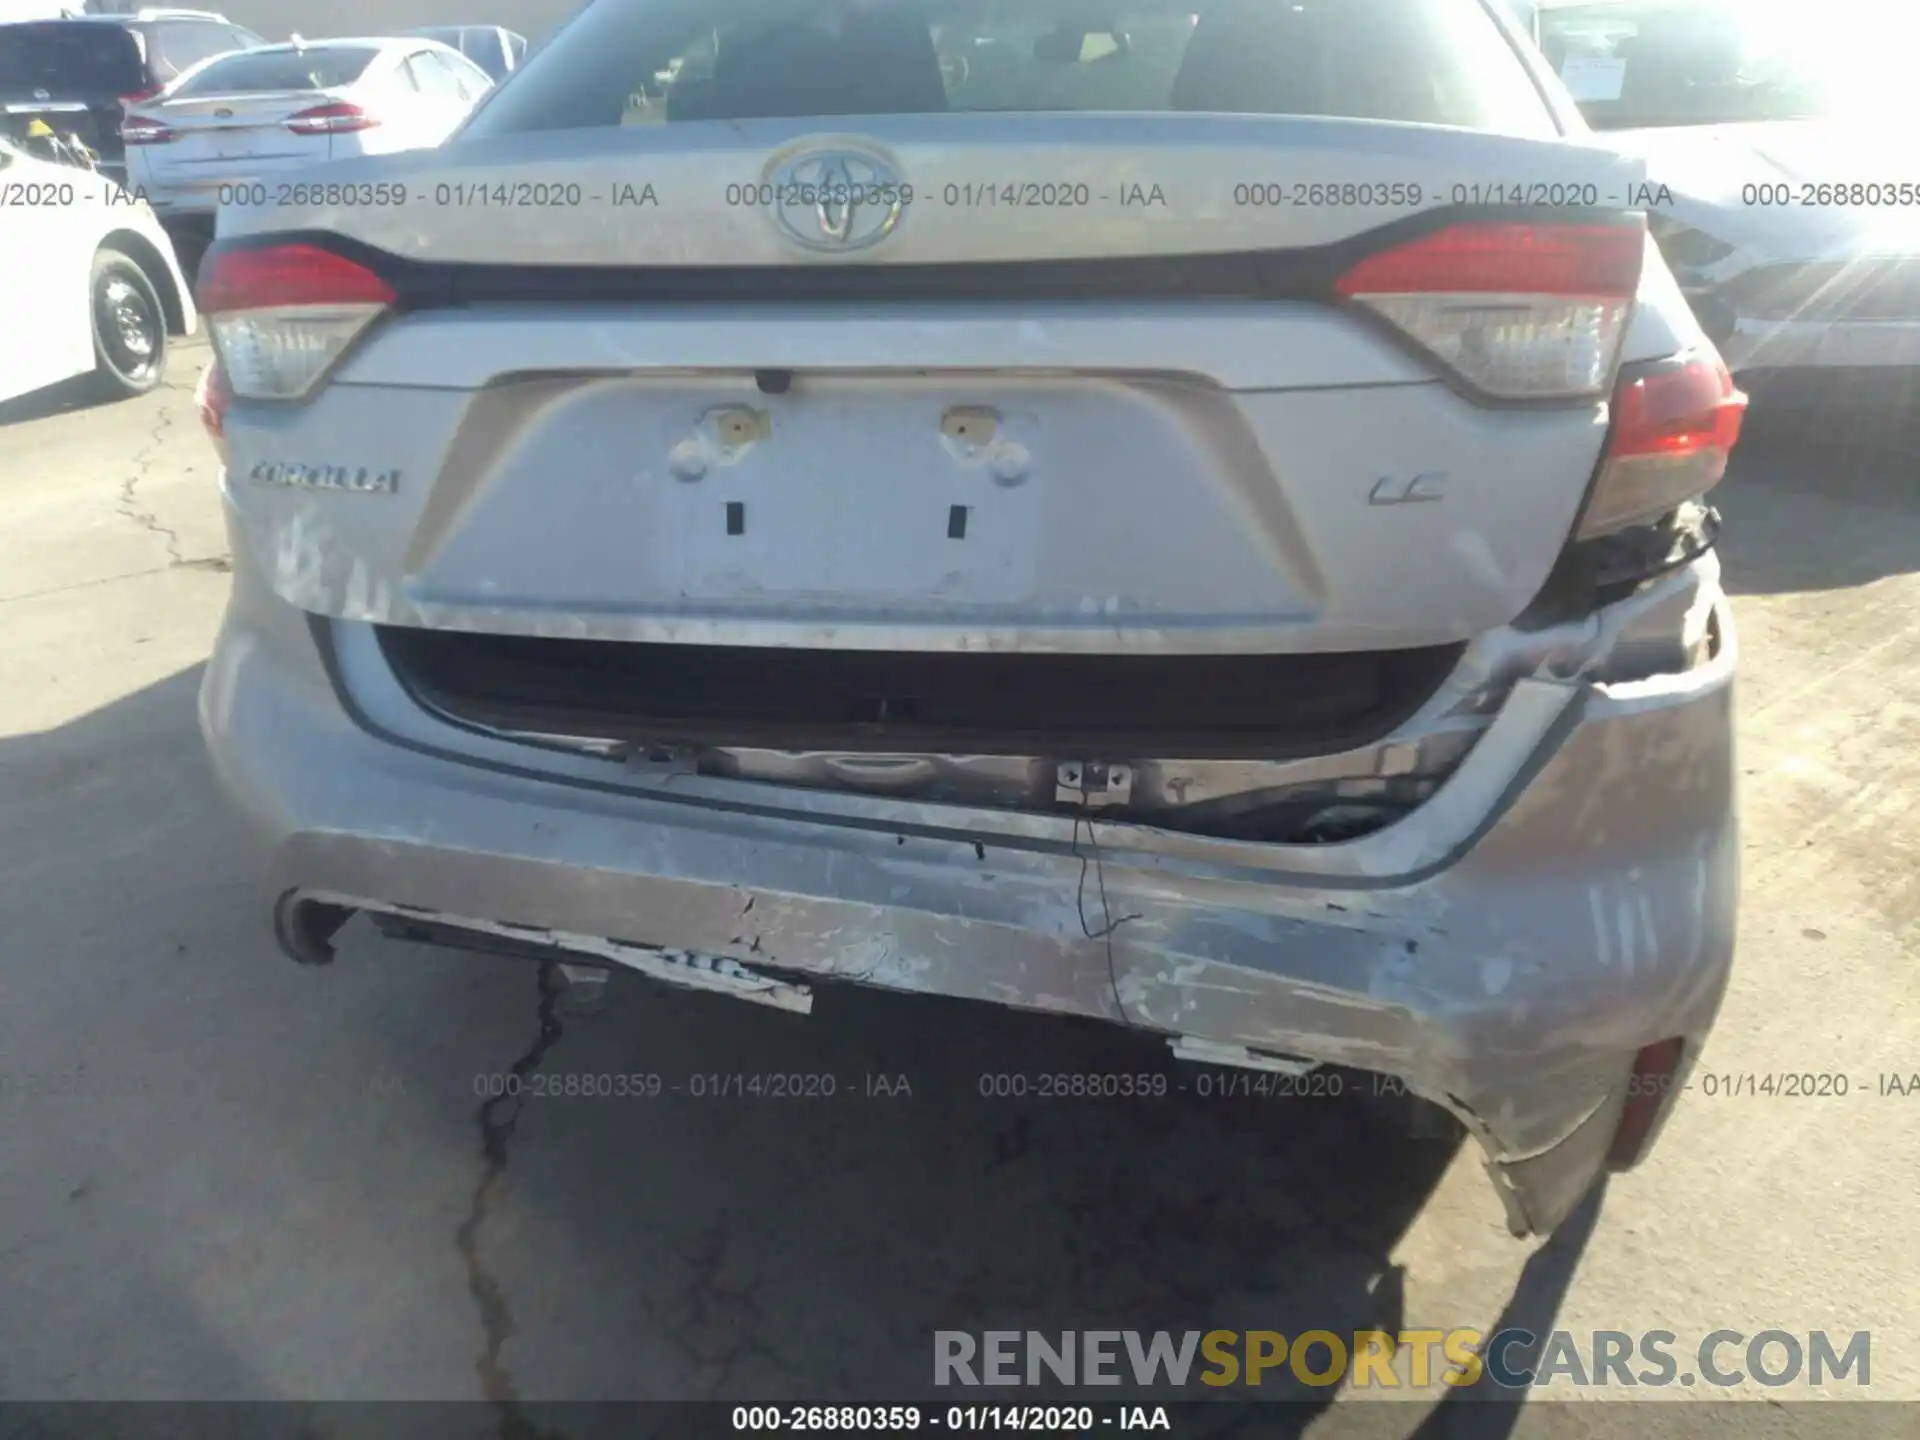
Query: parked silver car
{"points": [[1230, 562], [1780, 133]]}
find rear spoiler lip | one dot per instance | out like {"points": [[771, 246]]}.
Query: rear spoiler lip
{"points": [[1306, 274]]}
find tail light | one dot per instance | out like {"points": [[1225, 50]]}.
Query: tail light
{"points": [[1520, 311], [339, 118], [1656, 1069], [212, 396], [283, 315], [142, 95], [1674, 426], [145, 130]]}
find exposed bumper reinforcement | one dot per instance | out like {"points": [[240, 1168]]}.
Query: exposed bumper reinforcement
{"points": [[1564, 900], [715, 974]]}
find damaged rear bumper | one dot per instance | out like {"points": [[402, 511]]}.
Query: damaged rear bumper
{"points": [[1565, 900]]}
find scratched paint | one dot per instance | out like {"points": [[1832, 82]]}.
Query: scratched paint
{"points": [[1388, 952]]}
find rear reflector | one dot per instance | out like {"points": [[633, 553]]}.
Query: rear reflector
{"points": [[212, 395], [339, 118], [145, 130], [282, 315], [1649, 1088], [1519, 311], [1674, 427]]}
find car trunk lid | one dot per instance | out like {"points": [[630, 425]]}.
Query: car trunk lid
{"points": [[1077, 427], [234, 134], [970, 189]]}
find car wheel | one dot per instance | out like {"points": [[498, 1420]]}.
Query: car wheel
{"points": [[129, 328]]}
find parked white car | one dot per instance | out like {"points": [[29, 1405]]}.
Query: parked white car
{"points": [[1781, 132], [239, 127], [88, 281]]}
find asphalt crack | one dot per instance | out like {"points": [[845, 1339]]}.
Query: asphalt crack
{"points": [[129, 507], [497, 1118], [722, 1323], [143, 465]]}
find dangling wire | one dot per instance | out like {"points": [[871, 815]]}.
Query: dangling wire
{"points": [[1105, 932]]}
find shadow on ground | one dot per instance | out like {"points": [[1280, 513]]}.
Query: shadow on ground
{"points": [[1816, 501], [68, 395], [287, 1182], [186, 356]]}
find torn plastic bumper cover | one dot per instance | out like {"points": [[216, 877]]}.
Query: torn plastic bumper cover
{"points": [[1562, 902]]}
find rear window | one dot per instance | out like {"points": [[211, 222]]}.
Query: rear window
{"points": [[483, 48], [478, 43], [315, 68], [1713, 62], [175, 46], [639, 62], [69, 60]]}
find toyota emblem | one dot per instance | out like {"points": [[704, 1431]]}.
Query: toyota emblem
{"points": [[836, 200]]}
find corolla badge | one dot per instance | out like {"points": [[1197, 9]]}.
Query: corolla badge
{"points": [[836, 200], [356, 478]]}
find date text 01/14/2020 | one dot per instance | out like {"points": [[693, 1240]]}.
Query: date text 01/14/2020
{"points": [[385, 194], [1212, 1083], [706, 1085], [1207, 1083], [1061, 1419]]}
